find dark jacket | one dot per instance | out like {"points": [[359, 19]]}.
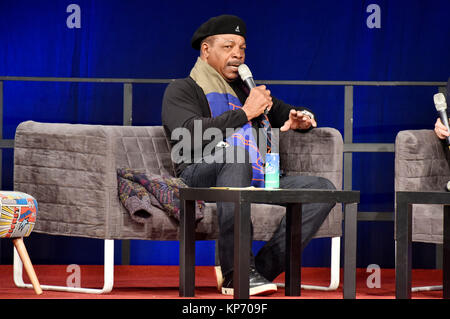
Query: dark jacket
{"points": [[184, 101]]}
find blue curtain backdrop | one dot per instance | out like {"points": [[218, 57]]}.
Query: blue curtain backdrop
{"points": [[287, 40]]}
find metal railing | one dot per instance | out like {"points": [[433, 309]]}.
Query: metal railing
{"points": [[349, 146]]}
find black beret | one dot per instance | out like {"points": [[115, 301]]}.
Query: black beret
{"points": [[224, 24]]}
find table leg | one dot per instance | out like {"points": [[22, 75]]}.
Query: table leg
{"points": [[242, 241], [293, 249], [187, 248], [403, 258], [446, 254], [350, 239]]}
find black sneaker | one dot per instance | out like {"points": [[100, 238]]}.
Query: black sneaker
{"points": [[258, 284]]}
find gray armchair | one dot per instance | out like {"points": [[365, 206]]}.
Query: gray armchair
{"points": [[71, 171], [422, 164]]}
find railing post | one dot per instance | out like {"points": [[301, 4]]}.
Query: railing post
{"points": [[1, 137], [127, 121], [348, 136], [127, 104], [1, 132]]}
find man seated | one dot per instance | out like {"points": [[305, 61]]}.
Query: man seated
{"points": [[214, 97]]}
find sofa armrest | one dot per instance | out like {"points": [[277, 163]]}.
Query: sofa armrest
{"points": [[422, 164], [318, 152], [69, 169], [421, 161]]}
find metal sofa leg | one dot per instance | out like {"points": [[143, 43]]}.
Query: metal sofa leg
{"points": [[426, 288], [217, 269], [108, 273], [335, 267], [423, 288], [334, 270]]}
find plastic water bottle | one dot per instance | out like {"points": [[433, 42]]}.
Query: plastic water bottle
{"points": [[272, 170]]}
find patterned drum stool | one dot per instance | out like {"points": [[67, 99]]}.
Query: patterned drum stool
{"points": [[17, 219]]}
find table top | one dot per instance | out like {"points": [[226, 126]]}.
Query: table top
{"points": [[269, 195], [423, 197]]}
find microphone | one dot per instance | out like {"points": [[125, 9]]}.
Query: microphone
{"points": [[247, 78], [441, 107]]}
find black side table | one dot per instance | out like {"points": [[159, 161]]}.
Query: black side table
{"points": [[403, 225], [242, 198]]}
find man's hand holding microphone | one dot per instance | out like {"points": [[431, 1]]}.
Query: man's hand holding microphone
{"points": [[259, 101]]}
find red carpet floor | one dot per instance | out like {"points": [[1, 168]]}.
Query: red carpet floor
{"points": [[161, 282]]}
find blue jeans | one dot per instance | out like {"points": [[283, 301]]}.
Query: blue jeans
{"points": [[270, 260]]}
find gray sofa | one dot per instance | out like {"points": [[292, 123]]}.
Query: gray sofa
{"points": [[71, 170], [422, 164]]}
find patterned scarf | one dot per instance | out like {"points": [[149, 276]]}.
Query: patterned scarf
{"points": [[222, 98], [144, 194]]}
